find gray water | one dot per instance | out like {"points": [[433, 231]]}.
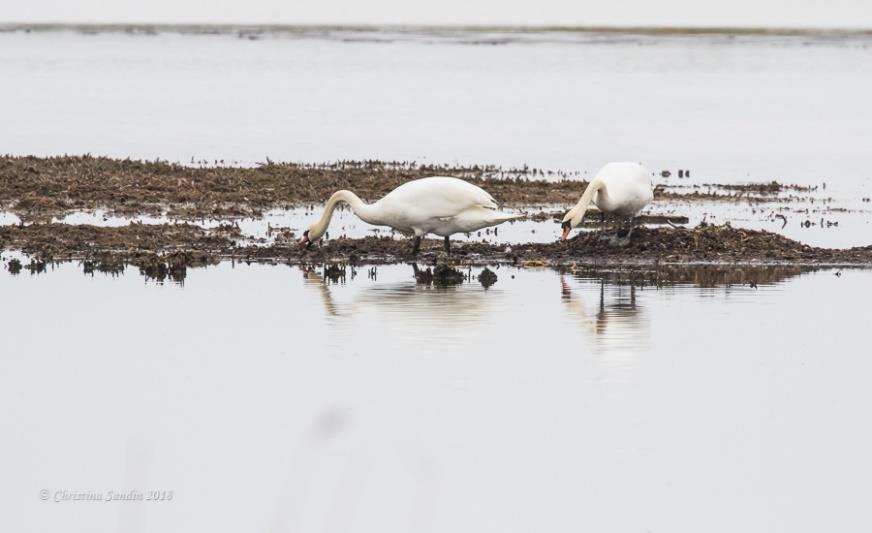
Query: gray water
{"points": [[268, 399]]}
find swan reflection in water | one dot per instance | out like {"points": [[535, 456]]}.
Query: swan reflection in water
{"points": [[617, 329], [311, 278], [418, 310]]}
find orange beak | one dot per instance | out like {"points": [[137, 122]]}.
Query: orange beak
{"points": [[566, 229]]}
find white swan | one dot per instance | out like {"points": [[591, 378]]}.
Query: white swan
{"points": [[440, 205], [620, 188]]}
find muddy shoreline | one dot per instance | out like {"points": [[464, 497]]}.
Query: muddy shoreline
{"points": [[188, 244], [36, 189]]}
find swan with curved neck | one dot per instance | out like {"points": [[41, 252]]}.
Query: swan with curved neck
{"points": [[620, 188], [441, 205], [361, 209]]}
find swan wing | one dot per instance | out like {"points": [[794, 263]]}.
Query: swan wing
{"points": [[438, 197], [627, 189]]}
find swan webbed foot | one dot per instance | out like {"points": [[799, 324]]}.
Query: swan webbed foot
{"points": [[632, 227], [620, 236], [622, 242], [447, 246], [618, 240]]}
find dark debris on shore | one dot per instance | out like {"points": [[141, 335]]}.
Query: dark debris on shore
{"points": [[190, 244]]}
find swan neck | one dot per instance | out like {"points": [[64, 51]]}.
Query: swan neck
{"points": [[586, 198], [361, 209], [366, 212]]}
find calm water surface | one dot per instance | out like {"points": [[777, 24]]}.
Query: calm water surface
{"points": [[761, 108], [270, 400]]}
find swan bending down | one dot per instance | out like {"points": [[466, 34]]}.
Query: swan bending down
{"points": [[440, 205], [620, 188]]}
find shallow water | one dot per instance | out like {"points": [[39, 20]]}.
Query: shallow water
{"points": [[730, 108], [269, 399]]}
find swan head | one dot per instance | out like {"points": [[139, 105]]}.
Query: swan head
{"points": [[305, 239], [311, 235], [572, 219]]}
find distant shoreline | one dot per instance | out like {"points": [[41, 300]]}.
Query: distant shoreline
{"points": [[434, 30]]}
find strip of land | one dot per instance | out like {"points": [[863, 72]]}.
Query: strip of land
{"points": [[188, 244], [37, 189]]}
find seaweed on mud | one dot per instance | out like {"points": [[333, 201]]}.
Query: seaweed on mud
{"points": [[442, 275], [38, 188], [138, 244], [487, 278], [702, 276], [66, 241], [41, 186], [595, 217], [771, 187]]}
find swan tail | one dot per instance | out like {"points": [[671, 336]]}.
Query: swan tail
{"points": [[501, 216]]}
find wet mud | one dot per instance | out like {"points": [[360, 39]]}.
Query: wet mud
{"points": [[594, 218], [35, 189], [487, 278], [59, 241], [441, 275], [186, 244], [700, 276], [705, 244], [38, 188]]}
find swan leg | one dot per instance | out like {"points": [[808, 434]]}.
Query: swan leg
{"points": [[447, 246], [416, 246], [621, 225], [624, 241]]}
